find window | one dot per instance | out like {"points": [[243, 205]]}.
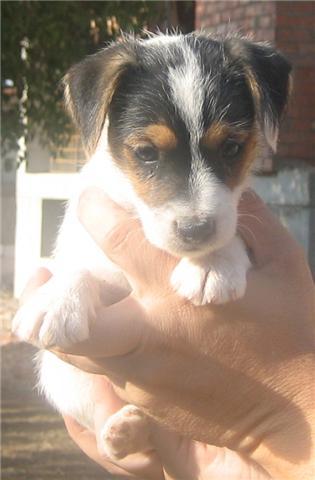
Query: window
{"points": [[69, 158], [52, 215]]}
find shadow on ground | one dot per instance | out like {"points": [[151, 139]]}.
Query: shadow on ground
{"points": [[35, 445]]}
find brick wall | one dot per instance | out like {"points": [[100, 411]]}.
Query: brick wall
{"points": [[295, 36], [253, 18], [290, 25]]}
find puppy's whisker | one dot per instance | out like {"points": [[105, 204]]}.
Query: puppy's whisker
{"points": [[246, 229], [162, 120], [249, 215]]}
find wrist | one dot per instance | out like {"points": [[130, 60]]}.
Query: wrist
{"points": [[286, 440]]}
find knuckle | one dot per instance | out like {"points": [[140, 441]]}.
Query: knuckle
{"points": [[139, 396], [117, 239], [292, 258]]}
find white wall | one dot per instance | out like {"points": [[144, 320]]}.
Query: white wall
{"points": [[7, 223], [31, 189], [290, 193]]}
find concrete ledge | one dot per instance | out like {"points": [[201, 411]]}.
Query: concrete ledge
{"points": [[291, 195], [6, 266], [291, 186]]}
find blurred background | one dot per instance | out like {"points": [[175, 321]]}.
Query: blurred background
{"points": [[41, 155]]}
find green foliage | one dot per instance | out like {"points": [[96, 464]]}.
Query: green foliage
{"points": [[59, 34]]}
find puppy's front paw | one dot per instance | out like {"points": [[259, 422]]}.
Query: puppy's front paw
{"points": [[59, 312], [188, 279], [125, 432], [224, 283], [218, 278]]}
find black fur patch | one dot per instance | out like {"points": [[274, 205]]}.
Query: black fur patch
{"points": [[129, 83], [271, 70]]}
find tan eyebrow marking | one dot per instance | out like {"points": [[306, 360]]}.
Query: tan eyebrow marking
{"points": [[215, 134], [248, 156], [219, 131], [158, 134], [254, 87]]}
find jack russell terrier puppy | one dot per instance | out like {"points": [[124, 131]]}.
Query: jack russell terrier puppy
{"points": [[172, 125]]}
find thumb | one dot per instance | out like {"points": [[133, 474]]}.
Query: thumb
{"points": [[183, 458], [116, 330], [121, 238], [262, 231]]}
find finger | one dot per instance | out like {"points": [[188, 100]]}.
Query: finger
{"points": [[39, 277], [174, 452], [140, 465], [99, 214], [262, 231], [115, 331], [181, 459], [88, 365], [121, 238], [191, 460], [108, 403], [86, 441]]}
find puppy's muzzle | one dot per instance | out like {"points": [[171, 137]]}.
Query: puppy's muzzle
{"points": [[195, 231]]}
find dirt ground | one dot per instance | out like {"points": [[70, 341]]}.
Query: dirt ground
{"points": [[35, 445]]}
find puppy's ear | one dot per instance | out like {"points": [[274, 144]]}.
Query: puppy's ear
{"points": [[89, 87], [267, 74]]}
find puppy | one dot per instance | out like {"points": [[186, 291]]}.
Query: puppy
{"points": [[172, 125]]}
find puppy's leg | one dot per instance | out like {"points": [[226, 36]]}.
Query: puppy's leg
{"points": [[125, 432], [60, 311], [218, 278]]}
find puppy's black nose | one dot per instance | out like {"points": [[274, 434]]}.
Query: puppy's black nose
{"points": [[194, 229]]}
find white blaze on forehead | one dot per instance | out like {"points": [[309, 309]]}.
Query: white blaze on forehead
{"points": [[187, 83], [187, 90]]}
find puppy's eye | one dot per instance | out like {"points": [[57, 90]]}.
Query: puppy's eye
{"points": [[231, 148], [147, 153]]}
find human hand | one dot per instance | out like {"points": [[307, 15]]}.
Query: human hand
{"points": [[182, 458], [174, 458], [236, 375], [179, 362]]}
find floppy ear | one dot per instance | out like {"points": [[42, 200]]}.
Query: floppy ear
{"points": [[267, 74], [89, 87]]}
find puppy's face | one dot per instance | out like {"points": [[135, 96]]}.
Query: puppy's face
{"points": [[185, 115]]}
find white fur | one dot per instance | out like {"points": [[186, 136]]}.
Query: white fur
{"points": [[188, 91], [217, 278], [126, 432], [67, 388], [271, 133], [61, 311], [219, 203]]}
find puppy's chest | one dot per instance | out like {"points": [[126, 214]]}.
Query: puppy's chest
{"points": [[102, 173], [76, 251]]}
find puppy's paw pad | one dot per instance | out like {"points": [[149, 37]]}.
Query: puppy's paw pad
{"points": [[125, 432]]}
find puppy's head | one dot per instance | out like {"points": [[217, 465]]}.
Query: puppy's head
{"points": [[186, 115]]}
